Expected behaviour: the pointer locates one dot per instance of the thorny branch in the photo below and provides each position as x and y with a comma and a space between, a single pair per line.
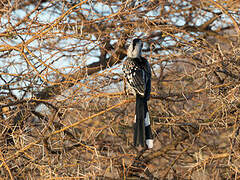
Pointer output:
63, 109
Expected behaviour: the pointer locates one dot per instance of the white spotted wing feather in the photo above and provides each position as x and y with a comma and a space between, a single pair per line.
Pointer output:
135, 76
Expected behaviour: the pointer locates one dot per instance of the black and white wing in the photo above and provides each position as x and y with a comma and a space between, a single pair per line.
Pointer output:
135, 75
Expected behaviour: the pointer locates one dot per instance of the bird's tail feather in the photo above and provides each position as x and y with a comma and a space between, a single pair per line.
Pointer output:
139, 127
142, 128
148, 131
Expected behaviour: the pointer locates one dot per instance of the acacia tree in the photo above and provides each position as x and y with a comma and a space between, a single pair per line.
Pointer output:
64, 112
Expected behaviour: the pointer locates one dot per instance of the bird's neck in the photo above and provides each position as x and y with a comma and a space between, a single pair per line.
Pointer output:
134, 55
134, 52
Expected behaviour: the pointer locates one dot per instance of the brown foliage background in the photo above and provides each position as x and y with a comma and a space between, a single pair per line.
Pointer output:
64, 112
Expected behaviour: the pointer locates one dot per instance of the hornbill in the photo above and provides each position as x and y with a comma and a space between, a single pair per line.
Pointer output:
137, 72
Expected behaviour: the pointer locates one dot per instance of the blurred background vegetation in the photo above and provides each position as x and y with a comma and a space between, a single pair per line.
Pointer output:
63, 110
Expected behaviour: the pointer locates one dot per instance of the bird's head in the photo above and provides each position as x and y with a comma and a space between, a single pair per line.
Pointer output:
135, 48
